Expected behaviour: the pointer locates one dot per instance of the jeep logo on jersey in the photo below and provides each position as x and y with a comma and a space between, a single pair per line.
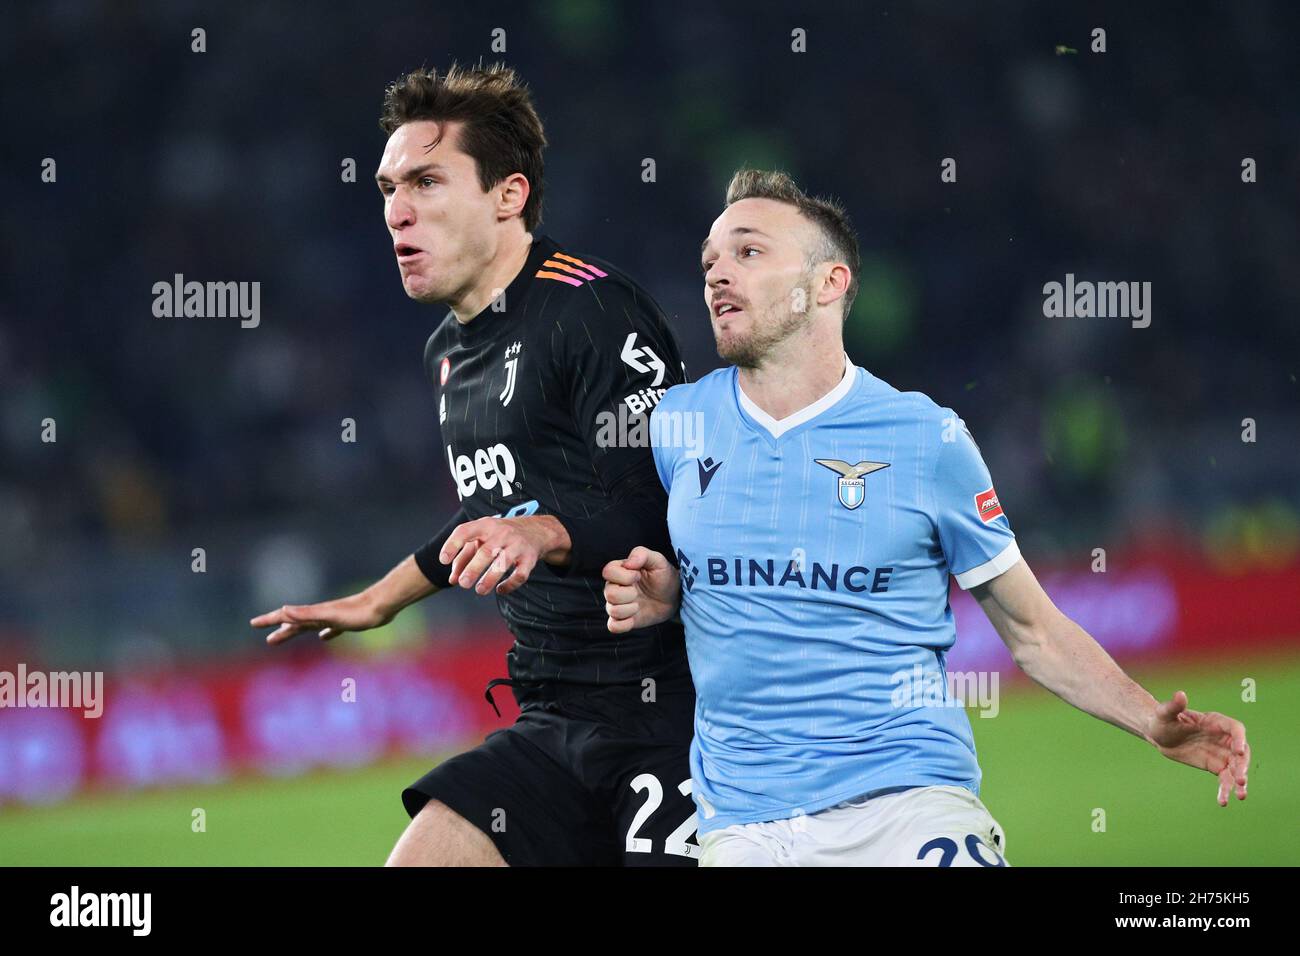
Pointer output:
632, 356
489, 468
512, 362
853, 483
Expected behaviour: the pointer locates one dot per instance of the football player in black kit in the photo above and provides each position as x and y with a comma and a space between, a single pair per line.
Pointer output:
541, 347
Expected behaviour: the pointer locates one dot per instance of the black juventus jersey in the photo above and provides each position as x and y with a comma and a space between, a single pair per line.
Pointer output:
538, 397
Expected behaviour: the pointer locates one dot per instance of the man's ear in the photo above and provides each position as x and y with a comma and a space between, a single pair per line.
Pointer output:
512, 195
835, 285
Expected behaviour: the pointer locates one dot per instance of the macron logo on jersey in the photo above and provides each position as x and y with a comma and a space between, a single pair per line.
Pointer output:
489, 468
708, 468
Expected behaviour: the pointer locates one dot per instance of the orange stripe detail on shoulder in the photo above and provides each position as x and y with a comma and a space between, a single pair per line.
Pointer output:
577, 261
571, 270
544, 274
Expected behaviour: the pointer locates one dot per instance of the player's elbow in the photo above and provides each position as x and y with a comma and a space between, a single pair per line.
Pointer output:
1027, 642
1034, 643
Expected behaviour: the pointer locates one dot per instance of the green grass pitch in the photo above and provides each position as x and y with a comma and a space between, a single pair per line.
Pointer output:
1047, 768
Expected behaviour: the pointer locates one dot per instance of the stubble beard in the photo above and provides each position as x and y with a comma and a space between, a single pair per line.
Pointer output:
780, 322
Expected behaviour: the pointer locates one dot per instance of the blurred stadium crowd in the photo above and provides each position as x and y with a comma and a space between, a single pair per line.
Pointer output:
176, 434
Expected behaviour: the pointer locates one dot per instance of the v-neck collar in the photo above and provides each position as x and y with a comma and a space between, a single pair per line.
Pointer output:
777, 428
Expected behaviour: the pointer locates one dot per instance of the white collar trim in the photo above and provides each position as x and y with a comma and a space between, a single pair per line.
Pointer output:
779, 428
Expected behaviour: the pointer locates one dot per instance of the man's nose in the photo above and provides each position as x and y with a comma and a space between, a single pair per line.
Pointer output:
400, 212
717, 273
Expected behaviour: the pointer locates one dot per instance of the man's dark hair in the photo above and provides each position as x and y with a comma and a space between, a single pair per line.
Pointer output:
839, 240
502, 132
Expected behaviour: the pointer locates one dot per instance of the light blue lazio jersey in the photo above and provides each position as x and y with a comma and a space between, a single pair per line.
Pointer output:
814, 566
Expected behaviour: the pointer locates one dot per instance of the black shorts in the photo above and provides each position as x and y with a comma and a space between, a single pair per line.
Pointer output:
587, 776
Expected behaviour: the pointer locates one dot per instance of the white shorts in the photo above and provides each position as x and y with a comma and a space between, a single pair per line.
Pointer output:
924, 826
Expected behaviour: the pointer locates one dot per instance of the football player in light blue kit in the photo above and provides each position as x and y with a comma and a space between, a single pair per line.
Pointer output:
816, 522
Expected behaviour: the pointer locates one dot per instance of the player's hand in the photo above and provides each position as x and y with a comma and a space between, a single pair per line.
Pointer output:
641, 590
329, 619
502, 552
1210, 742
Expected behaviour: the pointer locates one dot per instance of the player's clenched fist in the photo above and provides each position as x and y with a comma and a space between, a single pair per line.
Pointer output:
502, 552
641, 590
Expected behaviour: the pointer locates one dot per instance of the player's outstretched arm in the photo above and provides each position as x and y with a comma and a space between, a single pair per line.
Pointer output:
641, 590
1062, 657
376, 605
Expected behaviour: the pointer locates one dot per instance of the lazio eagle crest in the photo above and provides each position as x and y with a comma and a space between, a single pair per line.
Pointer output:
853, 482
